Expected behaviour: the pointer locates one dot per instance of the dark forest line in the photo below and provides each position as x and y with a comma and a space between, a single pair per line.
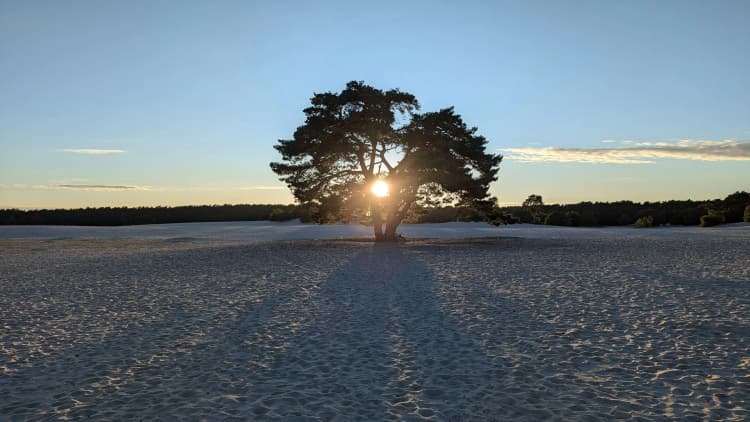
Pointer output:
733, 208
124, 216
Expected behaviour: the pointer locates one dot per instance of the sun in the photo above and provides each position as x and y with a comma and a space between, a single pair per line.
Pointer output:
380, 189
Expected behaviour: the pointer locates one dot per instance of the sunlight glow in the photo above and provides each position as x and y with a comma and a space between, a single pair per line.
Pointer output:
380, 189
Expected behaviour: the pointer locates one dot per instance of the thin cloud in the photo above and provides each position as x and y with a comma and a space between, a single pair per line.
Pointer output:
116, 188
639, 153
93, 151
101, 187
219, 188
97, 188
274, 187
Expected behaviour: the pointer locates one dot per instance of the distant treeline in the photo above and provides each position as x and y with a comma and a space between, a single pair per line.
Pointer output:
123, 216
733, 208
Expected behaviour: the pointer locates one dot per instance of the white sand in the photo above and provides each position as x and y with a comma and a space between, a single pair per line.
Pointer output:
649, 324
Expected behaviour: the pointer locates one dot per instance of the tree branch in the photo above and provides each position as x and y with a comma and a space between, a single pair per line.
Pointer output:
365, 172
373, 152
384, 161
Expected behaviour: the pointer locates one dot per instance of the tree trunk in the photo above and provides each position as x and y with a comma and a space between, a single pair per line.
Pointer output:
390, 230
377, 223
392, 221
378, 232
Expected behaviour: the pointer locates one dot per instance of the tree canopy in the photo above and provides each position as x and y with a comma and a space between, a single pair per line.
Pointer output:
353, 139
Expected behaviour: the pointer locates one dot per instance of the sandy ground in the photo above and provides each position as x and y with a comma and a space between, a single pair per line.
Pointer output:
574, 329
264, 231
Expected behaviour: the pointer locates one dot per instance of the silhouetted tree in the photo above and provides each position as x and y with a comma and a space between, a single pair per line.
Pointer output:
352, 139
733, 206
533, 201
534, 206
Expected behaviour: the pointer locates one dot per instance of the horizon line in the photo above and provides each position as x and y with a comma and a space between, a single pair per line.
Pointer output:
500, 205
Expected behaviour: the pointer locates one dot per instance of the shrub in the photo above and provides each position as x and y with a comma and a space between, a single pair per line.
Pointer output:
746, 217
645, 221
712, 219
279, 214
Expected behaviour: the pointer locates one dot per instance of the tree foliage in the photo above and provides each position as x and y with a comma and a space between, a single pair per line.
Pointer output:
533, 201
532, 210
361, 135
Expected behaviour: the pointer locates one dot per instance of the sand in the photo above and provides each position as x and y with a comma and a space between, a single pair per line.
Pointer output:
643, 326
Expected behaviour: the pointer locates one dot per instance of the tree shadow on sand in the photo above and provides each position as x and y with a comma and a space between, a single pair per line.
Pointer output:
176, 357
356, 331
379, 346
369, 340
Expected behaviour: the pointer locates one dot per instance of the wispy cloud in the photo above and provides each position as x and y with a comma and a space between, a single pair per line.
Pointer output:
273, 187
638, 153
92, 151
116, 188
205, 188
106, 188
88, 187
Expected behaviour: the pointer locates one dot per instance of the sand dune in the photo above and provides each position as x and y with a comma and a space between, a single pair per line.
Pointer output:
530, 329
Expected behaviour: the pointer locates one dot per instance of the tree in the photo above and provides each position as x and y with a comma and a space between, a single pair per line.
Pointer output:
363, 135
734, 206
535, 205
533, 201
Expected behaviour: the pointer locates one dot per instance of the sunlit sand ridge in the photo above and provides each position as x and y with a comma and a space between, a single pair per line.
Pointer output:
443, 330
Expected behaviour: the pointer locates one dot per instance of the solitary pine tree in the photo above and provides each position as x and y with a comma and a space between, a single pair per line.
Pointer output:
371, 149
533, 207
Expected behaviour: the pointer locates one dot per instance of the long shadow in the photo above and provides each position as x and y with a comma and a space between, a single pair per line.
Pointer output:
568, 343
380, 346
466, 355
196, 314
336, 364
317, 349
599, 369
355, 331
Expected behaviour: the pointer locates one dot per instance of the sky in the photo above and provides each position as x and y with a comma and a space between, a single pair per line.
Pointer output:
133, 103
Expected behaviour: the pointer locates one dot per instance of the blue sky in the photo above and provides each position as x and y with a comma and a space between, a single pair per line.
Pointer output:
166, 103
